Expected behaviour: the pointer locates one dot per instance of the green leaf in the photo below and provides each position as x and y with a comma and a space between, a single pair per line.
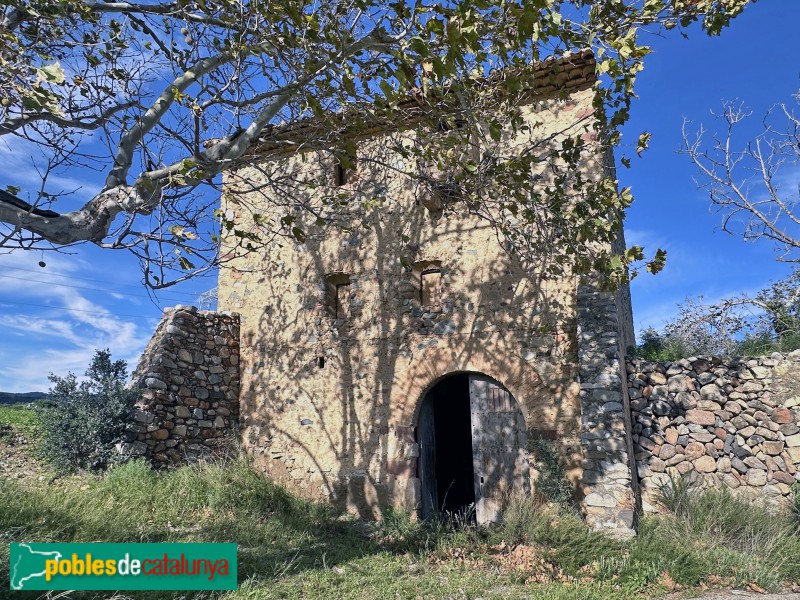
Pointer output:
52, 73
186, 264
386, 88
495, 130
644, 140
658, 262
298, 234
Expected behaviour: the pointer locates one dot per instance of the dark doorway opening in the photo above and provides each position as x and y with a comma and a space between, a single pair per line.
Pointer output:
446, 455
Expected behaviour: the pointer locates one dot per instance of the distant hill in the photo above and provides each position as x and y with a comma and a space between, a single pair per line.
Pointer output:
12, 398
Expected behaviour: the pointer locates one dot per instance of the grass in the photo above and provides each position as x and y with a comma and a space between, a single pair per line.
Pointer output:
290, 548
21, 417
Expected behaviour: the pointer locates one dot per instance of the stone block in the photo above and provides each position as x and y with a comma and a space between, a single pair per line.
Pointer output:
700, 417
793, 441
754, 463
737, 464
733, 408
756, 477
600, 500
706, 464
782, 477
694, 450
783, 416
713, 393
680, 383
794, 454
671, 435
667, 452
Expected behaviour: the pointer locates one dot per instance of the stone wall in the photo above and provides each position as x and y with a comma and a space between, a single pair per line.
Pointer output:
731, 424
189, 377
609, 501
330, 404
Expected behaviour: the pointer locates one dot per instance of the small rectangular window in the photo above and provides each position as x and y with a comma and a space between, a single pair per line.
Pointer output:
340, 175
451, 123
338, 295
430, 287
344, 167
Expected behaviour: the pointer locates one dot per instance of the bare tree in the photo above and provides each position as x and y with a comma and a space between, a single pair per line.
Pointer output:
755, 186
160, 98
739, 324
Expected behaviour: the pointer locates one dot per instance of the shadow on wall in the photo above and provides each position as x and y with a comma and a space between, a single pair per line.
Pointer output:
342, 335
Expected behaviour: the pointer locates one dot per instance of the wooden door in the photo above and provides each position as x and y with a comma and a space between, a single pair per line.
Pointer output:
498, 447
426, 438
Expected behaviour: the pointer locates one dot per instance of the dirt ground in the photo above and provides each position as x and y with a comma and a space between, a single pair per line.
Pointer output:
16, 461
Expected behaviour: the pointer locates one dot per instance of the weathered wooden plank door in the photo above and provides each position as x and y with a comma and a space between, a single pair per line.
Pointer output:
426, 438
498, 447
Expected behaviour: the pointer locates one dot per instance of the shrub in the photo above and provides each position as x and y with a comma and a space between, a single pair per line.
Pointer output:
794, 508
660, 347
81, 422
552, 483
713, 531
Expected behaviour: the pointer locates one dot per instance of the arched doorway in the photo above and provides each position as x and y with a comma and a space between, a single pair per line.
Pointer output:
471, 435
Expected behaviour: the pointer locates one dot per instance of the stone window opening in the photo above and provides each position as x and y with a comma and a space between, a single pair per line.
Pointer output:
448, 124
430, 286
321, 362
338, 295
344, 169
427, 277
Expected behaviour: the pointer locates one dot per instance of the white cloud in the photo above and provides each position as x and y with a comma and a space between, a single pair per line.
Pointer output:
56, 328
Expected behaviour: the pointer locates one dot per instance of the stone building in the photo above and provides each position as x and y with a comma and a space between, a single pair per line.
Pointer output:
400, 356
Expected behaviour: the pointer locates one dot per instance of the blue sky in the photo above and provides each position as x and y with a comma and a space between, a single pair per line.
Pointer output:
757, 61
53, 318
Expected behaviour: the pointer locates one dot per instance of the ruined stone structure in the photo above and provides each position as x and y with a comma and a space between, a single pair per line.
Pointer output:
400, 356
727, 424
189, 381
406, 359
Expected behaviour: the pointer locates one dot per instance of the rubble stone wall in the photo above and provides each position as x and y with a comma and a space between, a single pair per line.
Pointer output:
732, 424
189, 381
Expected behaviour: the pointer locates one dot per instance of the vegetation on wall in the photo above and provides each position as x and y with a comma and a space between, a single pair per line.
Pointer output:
551, 482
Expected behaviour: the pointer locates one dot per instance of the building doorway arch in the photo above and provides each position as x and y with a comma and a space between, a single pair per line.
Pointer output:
471, 436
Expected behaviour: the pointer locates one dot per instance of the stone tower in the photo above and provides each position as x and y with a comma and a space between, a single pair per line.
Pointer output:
401, 356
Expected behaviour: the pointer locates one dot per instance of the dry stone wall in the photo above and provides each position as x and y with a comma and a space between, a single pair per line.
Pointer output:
189, 377
732, 424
